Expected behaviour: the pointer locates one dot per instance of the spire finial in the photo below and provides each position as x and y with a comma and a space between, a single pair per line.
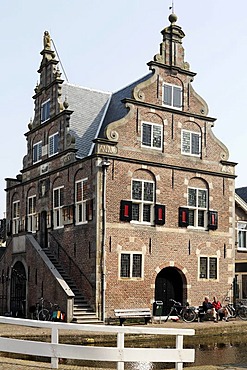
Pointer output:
172, 7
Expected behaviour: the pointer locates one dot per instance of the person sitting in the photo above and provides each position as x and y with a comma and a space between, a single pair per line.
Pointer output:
222, 312
209, 309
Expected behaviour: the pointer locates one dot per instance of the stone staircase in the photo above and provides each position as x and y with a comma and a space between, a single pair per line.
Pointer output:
82, 312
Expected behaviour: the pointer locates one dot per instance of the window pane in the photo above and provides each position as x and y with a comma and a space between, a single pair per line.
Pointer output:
156, 136
177, 97
125, 265
191, 217
203, 267
56, 198
148, 191
137, 265
167, 95
201, 218
185, 142
135, 212
78, 191
136, 190
202, 198
146, 213
212, 268
192, 197
195, 143
146, 134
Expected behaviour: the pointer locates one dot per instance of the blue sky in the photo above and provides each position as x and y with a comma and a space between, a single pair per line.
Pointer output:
105, 44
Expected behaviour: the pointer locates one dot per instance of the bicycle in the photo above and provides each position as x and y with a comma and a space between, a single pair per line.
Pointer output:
240, 310
186, 313
44, 314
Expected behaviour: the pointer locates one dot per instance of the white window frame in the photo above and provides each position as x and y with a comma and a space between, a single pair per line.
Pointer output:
208, 268
142, 203
32, 217
153, 126
197, 208
45, 111
16, 217
173, 88
37, 152
58, 208
131, 254
80, 203
242, 236
51, 144
187, 148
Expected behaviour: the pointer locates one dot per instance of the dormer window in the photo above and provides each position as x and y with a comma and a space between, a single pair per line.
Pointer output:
172, 96
53, 144
45, 111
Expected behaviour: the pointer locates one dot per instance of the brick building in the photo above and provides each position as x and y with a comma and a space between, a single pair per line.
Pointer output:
124, 199
241, 244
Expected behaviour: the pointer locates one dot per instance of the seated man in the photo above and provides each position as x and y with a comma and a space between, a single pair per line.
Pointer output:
209, 309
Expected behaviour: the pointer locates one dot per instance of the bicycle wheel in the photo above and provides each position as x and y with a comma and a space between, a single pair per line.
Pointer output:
44, 315
242, 313
188, 315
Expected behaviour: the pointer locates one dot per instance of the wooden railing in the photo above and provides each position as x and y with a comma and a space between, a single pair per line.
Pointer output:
119, 354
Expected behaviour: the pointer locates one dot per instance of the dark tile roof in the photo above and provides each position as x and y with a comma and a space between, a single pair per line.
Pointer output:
117, 109
88, 108
242, 192
93, 110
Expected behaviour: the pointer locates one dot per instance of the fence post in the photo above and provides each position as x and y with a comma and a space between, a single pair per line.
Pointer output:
179, 345
54, 340
120, 346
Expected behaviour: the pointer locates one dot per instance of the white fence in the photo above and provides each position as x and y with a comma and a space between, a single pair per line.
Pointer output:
119, 354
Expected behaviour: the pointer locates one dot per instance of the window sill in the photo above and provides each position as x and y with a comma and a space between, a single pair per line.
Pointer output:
244, 249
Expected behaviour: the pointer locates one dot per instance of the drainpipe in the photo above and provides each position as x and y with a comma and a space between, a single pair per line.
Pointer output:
104, 164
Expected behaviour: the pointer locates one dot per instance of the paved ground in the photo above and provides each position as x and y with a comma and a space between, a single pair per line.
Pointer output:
206, 329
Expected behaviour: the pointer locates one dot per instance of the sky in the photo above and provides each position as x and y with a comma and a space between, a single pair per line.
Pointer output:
106, 45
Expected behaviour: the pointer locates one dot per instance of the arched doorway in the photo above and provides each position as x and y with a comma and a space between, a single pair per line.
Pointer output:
18, 290
169, 284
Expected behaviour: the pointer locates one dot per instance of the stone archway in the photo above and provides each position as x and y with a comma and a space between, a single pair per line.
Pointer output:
169, 284
18, 290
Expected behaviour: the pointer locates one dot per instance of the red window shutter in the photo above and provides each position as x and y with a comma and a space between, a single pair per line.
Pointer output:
212, 220
126, 210
159, 214
183, 216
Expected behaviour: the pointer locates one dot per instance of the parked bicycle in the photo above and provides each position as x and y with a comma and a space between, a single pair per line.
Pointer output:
240, 310
186, 313
41, 312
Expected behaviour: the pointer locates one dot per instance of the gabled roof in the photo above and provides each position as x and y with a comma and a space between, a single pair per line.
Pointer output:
242, 193
89, 108
93, 110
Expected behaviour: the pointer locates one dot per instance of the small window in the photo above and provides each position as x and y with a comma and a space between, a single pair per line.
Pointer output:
131, 265
53, 144
142, 201
197, 205
81, 195
208, 268
32, 219
242, 230
16, 217
191, 143
45, 111
58, 202
37, 152
172, 96
151, 135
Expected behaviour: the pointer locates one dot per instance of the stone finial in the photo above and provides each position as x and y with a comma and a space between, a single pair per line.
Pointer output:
172, 18
30, 125
65, 103
47, 40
